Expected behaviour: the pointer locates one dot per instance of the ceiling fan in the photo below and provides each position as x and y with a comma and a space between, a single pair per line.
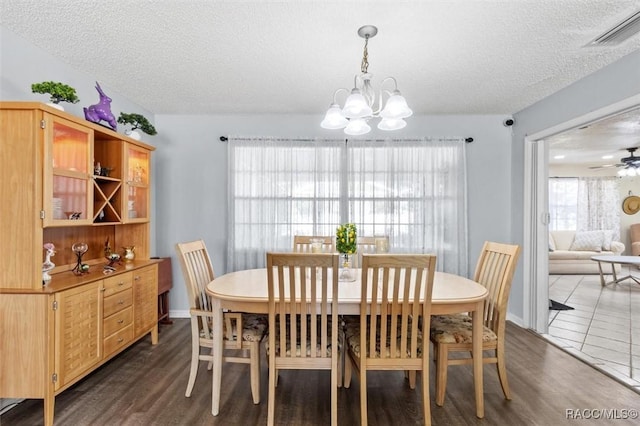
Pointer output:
631, 161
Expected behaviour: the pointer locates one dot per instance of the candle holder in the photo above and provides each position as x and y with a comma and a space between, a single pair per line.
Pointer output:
80, 249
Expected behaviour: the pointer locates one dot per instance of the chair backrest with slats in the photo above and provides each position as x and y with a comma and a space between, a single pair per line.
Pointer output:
392, 283
303, 295
494, 270
302, 243
197, 271
364, 245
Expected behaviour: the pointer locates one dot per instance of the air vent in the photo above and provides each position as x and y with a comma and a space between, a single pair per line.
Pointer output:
619, 32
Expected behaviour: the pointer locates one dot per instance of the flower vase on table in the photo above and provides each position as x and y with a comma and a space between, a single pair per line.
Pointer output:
347, 273
346, 236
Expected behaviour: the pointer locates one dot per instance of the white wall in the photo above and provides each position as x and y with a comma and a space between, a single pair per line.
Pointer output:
612, 84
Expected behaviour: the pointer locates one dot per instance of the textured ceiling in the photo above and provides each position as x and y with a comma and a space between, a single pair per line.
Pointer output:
449, 57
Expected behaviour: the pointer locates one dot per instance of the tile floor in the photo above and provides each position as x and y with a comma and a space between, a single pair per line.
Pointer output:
604, 327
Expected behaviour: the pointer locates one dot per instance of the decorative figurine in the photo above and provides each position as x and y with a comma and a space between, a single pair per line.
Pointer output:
107, 249
48, 264
101, 110
79, 249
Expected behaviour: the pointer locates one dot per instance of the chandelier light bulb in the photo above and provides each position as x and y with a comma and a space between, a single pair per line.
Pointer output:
356, 106
392, 124
334, 119
632, 171
357, 127
396, 107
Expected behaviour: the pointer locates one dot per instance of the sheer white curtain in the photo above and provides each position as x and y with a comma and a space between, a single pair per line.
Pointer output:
599, 205
413, 191
279, 188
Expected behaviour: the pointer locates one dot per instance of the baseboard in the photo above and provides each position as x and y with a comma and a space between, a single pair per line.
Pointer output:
180, 313
515, 319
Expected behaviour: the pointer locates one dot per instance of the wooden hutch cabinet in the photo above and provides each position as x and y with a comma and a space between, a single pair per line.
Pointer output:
66, 180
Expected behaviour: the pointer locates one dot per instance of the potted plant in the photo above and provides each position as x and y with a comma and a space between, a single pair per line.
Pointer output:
136, 121
59, 92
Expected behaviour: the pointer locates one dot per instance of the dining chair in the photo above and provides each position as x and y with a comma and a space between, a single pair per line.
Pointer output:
395, 298
242, 332
303, 314
453, 333
303, 243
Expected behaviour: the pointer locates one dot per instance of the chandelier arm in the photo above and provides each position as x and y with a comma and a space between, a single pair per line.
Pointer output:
395, 83
335, 94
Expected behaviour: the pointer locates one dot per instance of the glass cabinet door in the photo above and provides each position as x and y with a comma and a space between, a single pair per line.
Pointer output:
67, 173
136, 185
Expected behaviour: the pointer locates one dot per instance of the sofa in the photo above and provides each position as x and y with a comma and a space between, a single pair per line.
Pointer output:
570, 251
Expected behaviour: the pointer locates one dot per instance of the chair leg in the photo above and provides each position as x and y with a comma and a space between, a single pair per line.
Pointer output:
426, 400
412, 378
363, 396
347, 371
441, 372
271, 404
335, 382
195, 356
502, 371
254, 363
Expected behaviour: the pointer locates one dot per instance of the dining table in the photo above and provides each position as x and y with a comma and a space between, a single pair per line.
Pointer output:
246, 291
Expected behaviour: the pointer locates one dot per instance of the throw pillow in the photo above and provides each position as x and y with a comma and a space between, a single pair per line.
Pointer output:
607, 239
552, 243
587, 241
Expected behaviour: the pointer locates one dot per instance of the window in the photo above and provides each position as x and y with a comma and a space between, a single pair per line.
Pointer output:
563, 204
413, 191
585, 204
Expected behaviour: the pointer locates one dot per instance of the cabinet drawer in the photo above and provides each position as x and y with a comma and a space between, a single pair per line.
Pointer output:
117, 321
117, 302
117, 340
118, 283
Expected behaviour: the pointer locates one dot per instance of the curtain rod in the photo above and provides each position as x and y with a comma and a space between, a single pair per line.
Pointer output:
225, 139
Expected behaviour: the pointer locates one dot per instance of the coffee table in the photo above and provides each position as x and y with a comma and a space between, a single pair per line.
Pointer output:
628, 261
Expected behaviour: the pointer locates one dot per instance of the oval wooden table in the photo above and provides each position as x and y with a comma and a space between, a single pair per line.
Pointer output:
246, 291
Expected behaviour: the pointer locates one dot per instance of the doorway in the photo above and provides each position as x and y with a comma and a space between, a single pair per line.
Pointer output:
536, 278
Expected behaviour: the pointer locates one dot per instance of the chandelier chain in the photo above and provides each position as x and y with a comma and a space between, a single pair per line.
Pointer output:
364, 67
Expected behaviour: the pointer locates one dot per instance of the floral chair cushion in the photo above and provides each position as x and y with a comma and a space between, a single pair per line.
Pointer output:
352, 337
308, 345
456, 329
254, 328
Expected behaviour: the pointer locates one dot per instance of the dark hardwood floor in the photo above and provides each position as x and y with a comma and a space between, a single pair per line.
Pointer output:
145, 386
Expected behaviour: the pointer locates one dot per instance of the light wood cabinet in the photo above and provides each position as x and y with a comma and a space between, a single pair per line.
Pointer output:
52, 191
77, 332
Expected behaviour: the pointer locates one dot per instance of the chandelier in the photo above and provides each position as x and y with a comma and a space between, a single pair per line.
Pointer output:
359, 107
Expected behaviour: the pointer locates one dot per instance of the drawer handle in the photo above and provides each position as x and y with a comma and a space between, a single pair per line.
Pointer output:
137, 278
120, 340
120, 302
120, 321
121, 283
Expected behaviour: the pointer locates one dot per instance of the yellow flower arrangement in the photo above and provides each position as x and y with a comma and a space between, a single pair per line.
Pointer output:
346, 235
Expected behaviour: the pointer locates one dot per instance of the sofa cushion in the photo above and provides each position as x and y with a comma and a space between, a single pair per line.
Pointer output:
577, 254
563, 239
607, 238
587, 241
552, 243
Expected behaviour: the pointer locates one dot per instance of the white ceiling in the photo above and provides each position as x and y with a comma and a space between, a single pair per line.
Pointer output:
449, 57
